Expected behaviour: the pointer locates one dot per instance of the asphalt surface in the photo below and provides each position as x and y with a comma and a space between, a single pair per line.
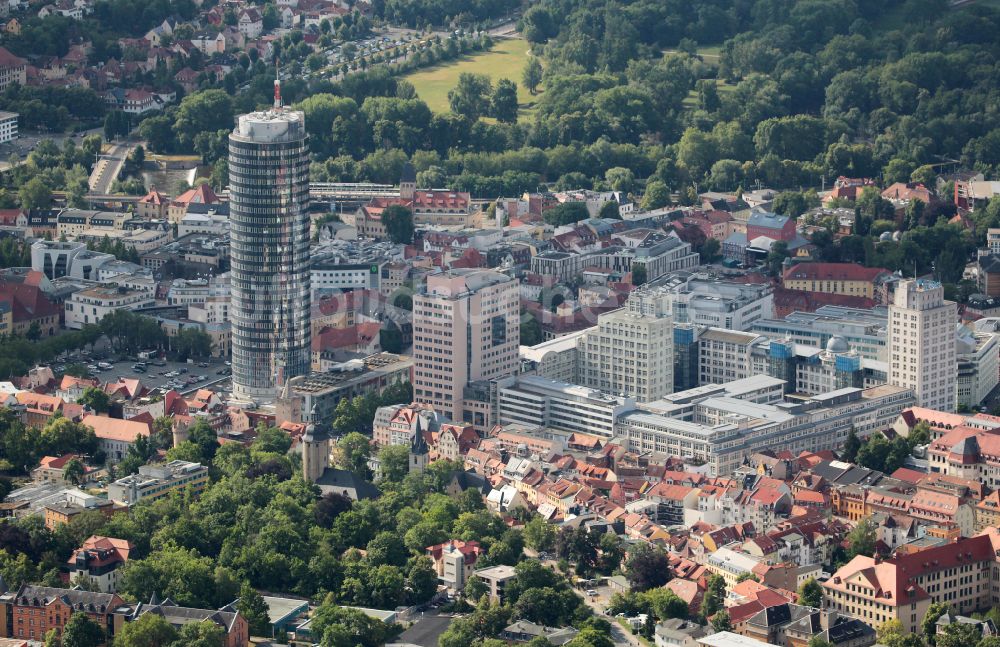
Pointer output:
425, 632
154, 376
108, 167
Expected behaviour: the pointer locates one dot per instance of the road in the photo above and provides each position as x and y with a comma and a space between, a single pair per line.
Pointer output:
108, 167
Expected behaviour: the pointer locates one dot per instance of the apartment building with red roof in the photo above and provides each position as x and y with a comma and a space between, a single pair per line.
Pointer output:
99, 560
960, 573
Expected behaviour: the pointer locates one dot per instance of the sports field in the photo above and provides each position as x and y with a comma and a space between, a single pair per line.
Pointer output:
505, 60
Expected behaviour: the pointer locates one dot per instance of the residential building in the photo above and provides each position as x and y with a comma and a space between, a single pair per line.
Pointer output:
961, 574
8, 126
496, 579
921, 343
152, 206
455, 562
200, 197
31, 611
628, 354
114, 435
466, 327
100, 560
269, 196
157, 481
13, 69
90, 306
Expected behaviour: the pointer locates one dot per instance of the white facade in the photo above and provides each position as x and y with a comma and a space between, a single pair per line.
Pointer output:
8, 126
91, 306
196, 223
922, 343
540, 402
702, 300
719, 427
348, 276
978, 367
57, 259
628, 354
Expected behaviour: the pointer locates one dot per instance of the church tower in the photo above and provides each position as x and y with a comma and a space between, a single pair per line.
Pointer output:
407, 182
315, 450
419, 453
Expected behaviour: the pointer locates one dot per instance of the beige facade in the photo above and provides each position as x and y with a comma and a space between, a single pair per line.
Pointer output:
629, 354
465, 328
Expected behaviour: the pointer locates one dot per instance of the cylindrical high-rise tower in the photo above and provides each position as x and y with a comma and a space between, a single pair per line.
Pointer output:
269, 239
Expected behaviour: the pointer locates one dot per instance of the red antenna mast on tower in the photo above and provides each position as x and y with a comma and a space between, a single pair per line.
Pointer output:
277, 84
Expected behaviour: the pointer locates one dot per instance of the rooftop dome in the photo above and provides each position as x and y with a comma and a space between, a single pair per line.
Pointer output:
838, 344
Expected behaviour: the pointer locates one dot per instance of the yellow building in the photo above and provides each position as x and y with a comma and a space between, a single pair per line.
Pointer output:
837, 278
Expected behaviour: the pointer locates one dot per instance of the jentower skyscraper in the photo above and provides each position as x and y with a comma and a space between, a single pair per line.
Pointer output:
269, 232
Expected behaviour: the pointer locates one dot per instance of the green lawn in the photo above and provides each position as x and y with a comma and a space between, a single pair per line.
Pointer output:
505, 60
692, 98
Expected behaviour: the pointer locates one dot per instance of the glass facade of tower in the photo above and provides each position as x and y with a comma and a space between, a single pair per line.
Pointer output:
269, 249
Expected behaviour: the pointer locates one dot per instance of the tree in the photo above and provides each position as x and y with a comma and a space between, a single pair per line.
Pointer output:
35, 194
666, 604
201, 634
638, 274
811, 593
861, 539
715, 595
851, 446
539, 535
74, 471
81, 631
191, 342
96, 399
929, 623
503, 103
647, 568
471, 95
610, 211
657, 195
353, 451
203, 111
566, 213
254, 609
398, 221
721, 621
959, 634
475, 588
421, 580
149, 630
776, 257
394, 461
531, 77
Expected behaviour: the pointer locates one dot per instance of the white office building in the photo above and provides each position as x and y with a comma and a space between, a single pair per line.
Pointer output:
540, 402
628, 354
978, 356
699, 299
922, 343
719, 426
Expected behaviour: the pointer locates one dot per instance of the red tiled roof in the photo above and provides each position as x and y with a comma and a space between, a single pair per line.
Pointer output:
201, 194
833, 272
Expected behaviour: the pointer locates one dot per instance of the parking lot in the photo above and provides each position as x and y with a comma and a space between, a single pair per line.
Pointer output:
179, 376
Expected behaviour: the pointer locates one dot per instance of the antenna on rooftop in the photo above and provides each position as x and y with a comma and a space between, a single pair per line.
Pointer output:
277, 84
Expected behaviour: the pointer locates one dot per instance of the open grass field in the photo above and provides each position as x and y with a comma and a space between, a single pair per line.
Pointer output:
505, 60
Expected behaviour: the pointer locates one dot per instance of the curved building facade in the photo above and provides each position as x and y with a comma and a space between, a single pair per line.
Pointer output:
269, 248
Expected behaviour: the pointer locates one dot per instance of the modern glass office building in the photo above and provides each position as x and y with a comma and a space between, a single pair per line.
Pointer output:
269, 248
